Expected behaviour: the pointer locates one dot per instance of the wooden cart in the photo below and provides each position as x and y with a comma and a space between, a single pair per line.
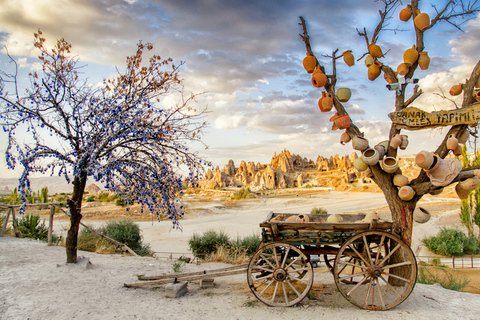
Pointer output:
372, 267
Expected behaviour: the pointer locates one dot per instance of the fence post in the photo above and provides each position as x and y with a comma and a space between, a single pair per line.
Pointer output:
453, 262
5, 222
15, 225
50, 225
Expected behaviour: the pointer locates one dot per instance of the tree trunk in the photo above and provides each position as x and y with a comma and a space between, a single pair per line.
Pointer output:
74, 204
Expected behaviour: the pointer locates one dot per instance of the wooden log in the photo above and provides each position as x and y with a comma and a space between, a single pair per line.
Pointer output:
196, 273
5, 222
15, 225
50, 225
179, 277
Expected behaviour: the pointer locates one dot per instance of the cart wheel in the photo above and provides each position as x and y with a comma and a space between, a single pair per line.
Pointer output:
367, 275
280, 275
330, 261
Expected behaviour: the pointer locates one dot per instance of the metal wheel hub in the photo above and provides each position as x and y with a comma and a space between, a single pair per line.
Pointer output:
280, 275
375, 271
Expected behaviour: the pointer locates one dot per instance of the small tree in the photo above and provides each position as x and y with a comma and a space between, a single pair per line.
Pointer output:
44, 195
117, 133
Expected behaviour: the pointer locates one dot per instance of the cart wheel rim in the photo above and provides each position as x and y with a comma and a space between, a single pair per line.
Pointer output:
280, 274
375, 270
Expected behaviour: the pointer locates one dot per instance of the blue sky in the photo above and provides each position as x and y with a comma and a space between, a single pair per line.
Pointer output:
247, 58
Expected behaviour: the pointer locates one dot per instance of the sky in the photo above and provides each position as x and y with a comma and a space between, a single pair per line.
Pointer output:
245, 57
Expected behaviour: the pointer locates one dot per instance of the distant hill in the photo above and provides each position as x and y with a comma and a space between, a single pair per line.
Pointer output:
54, 184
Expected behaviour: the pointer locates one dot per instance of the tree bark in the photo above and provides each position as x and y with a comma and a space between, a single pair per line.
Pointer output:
75, 204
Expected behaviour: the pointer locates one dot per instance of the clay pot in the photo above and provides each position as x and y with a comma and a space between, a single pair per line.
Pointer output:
327, 102
349, 58
444, 171
370, 156
421, 215
334, 218
476, 172
424, 60
400, 180
455, 90
375, 50
406, 193
360, 165
476, 95
309, 62
462, 139
390, 164
369, 60
385, 144
458, 150
406, 13
404, 143
359, 143
410, 56
345, 138
461, 193
320, 102
396, 141
319, 79
422, 21
370, 217
424, 159
343, 121
470, 183
344, 94
381, 151
402, 69
452, 142
374, 71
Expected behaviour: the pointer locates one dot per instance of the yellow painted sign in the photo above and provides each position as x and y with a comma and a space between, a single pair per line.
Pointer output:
412, 118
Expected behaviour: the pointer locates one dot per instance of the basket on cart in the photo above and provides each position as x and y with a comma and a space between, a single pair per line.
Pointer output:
372, 267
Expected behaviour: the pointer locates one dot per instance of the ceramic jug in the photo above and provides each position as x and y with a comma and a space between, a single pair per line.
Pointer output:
470, 183
452, 142
327, 102
400, 180
390, 164
424, 60
422, 21
461, 193
370, 156
424, 159
406, 13
402, 69
360, 165
309, 62
421, 215
456, 89
410, 56
369, 60
349, 58
404, 143
406, 193
343, 121
374, 71
359, 143
396, 141
345, 138
444, 171
375, 50
344, 94
319, 79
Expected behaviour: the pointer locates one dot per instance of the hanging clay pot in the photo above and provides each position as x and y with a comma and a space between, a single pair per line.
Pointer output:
359, 143
424, 159
374, 71
400, 180
385, 144
320, 104
390, 164
370, 217
470, 183
421, 215
476, 172
319, 79
406, 13
444, 171
343, 121
345, 138
359, 164
402, 69
406, 193
452, 142
461, 193
396, 141
309, 62
422, 21
404, 143
424, 60
410, 56
456, 89
458, 150
476, 95
327, 102
344, 94
349, 58
462, 139
381, 151
375, 50
369, 60
370, 156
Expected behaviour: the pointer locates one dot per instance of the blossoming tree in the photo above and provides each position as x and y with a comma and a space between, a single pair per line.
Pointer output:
117, 133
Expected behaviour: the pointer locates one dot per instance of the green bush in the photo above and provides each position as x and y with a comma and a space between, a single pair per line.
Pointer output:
243, 193
210, 241
32, 227
451, 242
319, 211
90, 199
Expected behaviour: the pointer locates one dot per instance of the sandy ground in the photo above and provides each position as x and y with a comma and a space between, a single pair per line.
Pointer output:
35, 282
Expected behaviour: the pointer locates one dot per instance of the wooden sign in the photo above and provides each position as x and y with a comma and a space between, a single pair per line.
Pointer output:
412, 118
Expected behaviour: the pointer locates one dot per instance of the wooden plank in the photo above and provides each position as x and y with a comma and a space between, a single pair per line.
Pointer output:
196, 273
326, 226
178, 278
50, 225
412, 118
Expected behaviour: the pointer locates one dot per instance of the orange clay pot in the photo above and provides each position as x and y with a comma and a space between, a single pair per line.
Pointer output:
406, 14
349, 58
402, 69
422, 21
410, 56
374, 71
327, 102
423, 60
309, 62
319, 79
455, 90
375, 50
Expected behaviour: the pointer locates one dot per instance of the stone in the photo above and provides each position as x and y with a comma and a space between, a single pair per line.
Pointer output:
84, 263
207, 283
176, 290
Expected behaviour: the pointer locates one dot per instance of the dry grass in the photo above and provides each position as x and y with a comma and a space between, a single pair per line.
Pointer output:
226, 255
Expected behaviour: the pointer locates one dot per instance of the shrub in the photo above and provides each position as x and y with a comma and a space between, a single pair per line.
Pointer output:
451, 242
445, 278
319, 211
32, 227
203, 245
89, 241
249, 244
243, 193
